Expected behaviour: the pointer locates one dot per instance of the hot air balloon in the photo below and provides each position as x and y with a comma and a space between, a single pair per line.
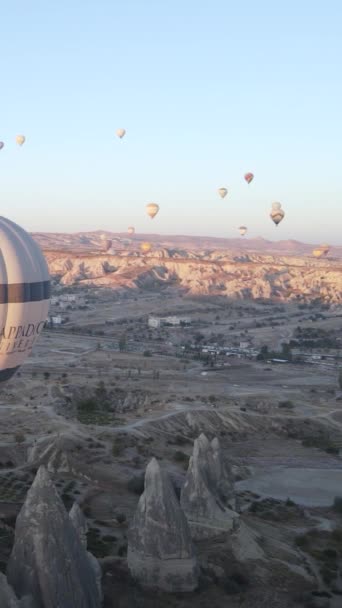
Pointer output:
20, 139
249, 177
152, 210
277, 214
243, 230
317, 253
24, 296
222, 192
108, 244
131, 230
145, 247
121, 132
1, 145
320, 251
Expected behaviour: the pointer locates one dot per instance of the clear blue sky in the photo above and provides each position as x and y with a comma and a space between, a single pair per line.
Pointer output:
207, 90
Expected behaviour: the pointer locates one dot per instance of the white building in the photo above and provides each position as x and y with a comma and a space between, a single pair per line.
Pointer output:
174, 321
154, 322
55, 320
244, 344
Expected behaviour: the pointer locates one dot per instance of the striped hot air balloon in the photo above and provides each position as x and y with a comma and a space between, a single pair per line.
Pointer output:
24, 296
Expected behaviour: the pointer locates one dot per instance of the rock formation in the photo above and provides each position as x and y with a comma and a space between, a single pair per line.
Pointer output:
54, 453
275, 275
160, 550
222, 476
8, 599
207, 499
79, 522
201, 501
48, 560
81, 526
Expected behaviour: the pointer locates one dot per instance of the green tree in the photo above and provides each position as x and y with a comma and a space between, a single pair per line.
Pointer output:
340, 378
122, 343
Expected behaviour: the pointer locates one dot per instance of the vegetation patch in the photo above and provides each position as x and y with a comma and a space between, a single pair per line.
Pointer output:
326, 549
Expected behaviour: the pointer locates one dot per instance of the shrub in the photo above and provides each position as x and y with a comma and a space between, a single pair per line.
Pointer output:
117, 448
19, 437
180, 456
338, 504
286, 404
136, 484
332, 449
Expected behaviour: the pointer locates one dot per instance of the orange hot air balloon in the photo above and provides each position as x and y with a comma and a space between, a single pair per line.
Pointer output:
249, 177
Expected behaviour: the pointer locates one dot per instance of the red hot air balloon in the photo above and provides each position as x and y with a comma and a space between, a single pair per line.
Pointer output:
249, 177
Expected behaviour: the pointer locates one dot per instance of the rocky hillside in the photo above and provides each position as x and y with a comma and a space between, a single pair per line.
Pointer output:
217, 272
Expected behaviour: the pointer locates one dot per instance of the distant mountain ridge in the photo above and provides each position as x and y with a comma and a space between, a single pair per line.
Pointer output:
88, 241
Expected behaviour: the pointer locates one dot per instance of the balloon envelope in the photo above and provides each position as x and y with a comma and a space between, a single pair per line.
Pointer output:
249, 177
24, 296
277, 215
20, 139
320, 251
1, 145
222, 192
131, 230
243, 230
145, 247
121, 132
317, 253
152, 210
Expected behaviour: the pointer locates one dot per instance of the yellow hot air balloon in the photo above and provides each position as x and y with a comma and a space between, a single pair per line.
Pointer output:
222, 192
121, 132
20, 139
152, 210
131, 230
243, 230
145, 247
317, 253
320, 251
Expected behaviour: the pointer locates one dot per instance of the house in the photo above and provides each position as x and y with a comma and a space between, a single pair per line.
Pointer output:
173, 321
